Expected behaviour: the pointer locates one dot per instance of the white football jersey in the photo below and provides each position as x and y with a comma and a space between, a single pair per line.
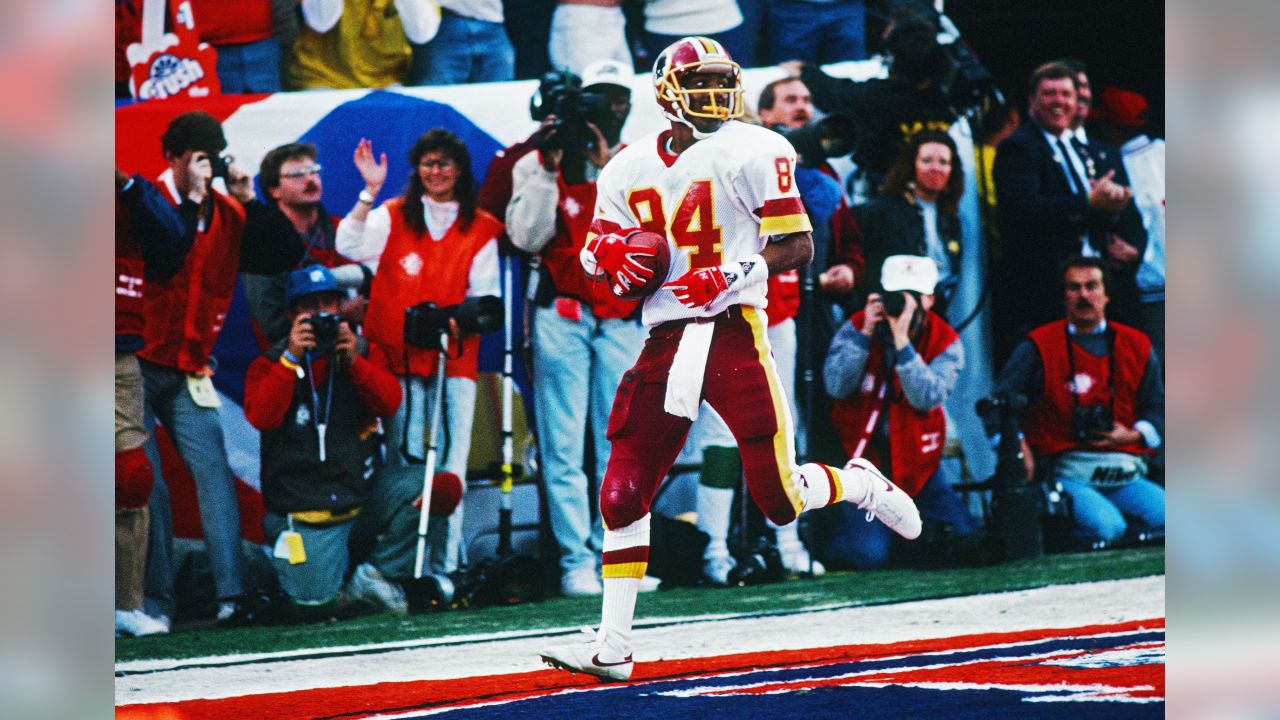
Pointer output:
717, 202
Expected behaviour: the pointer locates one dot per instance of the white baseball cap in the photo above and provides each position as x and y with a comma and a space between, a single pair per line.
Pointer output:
909, 272
608, 72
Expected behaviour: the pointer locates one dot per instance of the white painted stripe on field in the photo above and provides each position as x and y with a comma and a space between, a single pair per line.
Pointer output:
1059, 606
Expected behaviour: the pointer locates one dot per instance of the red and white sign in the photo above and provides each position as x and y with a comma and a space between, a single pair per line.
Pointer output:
172, 64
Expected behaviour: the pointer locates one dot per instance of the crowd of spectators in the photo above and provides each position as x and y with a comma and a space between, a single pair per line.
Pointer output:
344, 400
267, 46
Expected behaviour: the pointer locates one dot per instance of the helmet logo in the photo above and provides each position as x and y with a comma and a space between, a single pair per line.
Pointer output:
697, 55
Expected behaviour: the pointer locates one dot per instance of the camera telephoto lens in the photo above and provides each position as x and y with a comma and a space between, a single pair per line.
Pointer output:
894, 303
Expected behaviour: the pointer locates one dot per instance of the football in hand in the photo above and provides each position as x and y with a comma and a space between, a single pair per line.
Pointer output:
659, 262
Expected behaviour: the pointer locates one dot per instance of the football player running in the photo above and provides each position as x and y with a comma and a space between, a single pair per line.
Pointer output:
724, 194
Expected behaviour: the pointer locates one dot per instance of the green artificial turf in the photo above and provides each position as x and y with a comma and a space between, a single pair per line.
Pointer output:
843, 588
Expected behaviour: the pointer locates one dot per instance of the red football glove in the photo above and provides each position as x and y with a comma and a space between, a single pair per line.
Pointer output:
697, 288
611, 254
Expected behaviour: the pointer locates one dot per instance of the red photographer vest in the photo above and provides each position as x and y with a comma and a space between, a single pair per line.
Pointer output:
1047, 425
916, 437
574, 209
414, 268
184, 314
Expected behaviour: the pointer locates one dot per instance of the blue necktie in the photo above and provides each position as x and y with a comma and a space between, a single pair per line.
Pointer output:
1077, 185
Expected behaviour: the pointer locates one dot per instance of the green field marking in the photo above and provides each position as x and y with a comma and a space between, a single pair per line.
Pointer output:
843, 588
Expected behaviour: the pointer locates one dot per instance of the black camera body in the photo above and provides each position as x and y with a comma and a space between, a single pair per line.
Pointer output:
324, 326
220, 164
561, 94
895, 301
426, 324
1017, 506
1090, 421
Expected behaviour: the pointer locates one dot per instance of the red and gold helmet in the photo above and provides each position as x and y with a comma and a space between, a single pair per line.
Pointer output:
696, 55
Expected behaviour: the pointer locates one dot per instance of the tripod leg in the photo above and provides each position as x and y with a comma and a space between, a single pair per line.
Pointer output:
433, 442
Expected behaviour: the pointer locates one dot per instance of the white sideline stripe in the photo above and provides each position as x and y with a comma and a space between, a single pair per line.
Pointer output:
1059, 606
160, 664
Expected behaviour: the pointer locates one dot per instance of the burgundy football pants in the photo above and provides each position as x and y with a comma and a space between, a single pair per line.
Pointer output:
741, 383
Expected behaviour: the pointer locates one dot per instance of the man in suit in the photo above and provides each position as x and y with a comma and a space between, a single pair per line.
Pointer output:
1058, 198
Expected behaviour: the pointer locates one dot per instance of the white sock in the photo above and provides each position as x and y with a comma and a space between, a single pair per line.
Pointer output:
714, 506
622, 570
824, 485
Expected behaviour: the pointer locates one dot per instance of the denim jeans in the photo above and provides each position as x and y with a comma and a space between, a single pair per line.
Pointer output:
1099, 514
577, 365
817, 32
197, 433
864, 545
249, 68
464, 50
390, 513
319, 578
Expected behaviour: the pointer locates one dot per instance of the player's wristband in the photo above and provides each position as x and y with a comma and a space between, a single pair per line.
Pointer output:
754, 270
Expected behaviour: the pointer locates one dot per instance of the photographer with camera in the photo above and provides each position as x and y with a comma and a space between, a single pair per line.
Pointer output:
887, 111
183, 317
583, 336
1096, 408
890, 369
431, 245
316, 396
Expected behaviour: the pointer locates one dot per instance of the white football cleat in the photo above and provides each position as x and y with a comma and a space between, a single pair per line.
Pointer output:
886, 501
598, 653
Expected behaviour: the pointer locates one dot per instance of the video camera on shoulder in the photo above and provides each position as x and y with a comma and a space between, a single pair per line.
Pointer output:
324, 326
1090, 421
426, 324
560, 93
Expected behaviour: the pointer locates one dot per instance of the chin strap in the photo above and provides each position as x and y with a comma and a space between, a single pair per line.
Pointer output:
697, 134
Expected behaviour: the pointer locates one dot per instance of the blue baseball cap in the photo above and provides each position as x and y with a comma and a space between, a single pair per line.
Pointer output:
309, 281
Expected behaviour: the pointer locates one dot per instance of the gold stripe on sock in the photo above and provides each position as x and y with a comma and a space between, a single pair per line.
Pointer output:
625, 570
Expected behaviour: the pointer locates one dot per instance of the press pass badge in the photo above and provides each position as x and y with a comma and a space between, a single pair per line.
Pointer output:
202, 392
320, 430
289, 546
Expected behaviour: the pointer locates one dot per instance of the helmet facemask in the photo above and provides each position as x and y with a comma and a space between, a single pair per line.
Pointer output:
672, 90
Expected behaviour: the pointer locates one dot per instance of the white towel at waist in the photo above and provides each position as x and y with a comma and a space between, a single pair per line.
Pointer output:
684, 380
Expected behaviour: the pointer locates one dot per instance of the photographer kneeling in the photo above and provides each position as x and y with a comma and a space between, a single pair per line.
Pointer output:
889, 371
430, 245
1096, 408
316, 396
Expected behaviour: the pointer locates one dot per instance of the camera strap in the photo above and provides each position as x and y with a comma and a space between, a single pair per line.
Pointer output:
321, 419
1111, 368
